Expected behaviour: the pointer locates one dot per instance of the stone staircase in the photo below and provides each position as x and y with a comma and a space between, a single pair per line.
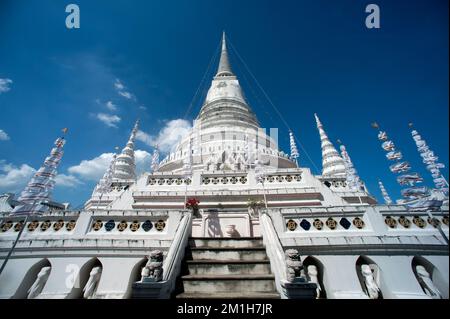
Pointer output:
226, 268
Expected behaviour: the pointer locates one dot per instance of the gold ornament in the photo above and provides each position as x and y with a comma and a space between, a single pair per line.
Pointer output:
419, 222
97, 225
291, 225
122, 225
405, 222
134, 226
318, 224
33, 225
331, 223
70, 225
58, 225
6, 226
160, 225
434, 221
358, 222
18, 226
391, 222
45, 225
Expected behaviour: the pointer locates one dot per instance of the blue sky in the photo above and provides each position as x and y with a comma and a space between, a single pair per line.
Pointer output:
148, 57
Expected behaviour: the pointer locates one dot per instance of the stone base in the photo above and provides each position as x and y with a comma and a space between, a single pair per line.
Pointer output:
148, 290
299, 290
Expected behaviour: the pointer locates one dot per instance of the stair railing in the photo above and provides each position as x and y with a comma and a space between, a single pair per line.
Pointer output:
175, 255
275, 252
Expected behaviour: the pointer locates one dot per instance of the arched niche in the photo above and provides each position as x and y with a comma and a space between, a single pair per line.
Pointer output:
319, 268
135, 276
83, 277
428, 276
369, 277
30, 278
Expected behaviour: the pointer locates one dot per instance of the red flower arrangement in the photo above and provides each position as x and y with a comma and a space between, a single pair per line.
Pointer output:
192, 203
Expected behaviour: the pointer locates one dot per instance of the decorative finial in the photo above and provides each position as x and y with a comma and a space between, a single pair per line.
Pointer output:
38, 190
224, 68
384, 193
332, 163
413, 195
353, 180
431, 162
294, 149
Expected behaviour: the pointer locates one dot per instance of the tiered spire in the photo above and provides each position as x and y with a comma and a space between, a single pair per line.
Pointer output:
384, 193
125, 166
431, 160
294, 150
332, 164
105, 183
224, 64
225, 103
38, 191
155, 159
353, 179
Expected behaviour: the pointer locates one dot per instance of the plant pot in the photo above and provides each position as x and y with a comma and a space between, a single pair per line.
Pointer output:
230, 231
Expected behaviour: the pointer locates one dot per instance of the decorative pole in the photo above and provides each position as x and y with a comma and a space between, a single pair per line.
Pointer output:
414, 196
38, 191
431, 162
260, 176
386, 197
294, 150
155, 159
188, 171
105, 183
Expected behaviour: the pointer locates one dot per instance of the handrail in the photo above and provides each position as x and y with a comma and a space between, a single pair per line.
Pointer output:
274, 250
176, 250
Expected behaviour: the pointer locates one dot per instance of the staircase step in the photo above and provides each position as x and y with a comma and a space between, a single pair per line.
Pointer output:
228, 283
228, 267
229, 295
228, 253
242, 242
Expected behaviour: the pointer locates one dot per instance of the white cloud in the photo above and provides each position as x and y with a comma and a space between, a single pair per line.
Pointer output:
109, 120
5, 85
143, 161
111, 106
126, 94
168, 137
3, 136
67, 180
92, 169
142, 107
14, 179
120, 88
118, 85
